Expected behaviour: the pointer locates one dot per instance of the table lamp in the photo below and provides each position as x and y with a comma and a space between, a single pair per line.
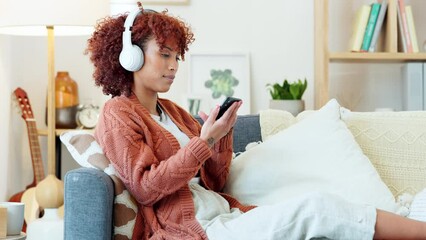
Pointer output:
50, 18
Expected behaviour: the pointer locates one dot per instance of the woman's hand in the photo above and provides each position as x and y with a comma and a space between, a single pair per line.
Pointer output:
213, 130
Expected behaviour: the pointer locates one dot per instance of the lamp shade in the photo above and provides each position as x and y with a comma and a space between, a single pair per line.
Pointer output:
68, 17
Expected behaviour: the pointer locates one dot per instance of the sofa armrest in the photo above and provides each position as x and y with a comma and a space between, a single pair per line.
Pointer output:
89, 198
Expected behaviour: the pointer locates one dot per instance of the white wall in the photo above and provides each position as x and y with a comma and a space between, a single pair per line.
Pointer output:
278, 35
4, 121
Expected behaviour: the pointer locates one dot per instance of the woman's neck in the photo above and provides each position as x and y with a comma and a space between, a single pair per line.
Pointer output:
148, 100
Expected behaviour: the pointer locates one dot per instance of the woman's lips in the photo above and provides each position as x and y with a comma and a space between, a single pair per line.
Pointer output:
170, 77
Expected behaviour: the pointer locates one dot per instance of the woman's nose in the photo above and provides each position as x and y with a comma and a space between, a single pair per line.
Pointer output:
173, 65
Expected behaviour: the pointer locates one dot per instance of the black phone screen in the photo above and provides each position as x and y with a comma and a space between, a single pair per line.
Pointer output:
225, 105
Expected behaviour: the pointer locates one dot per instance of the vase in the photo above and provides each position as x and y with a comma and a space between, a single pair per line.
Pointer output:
66, 101
50, 226
49, 194
292, 106
194, 105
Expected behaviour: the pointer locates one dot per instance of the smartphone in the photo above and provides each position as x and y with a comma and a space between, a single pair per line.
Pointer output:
225, 105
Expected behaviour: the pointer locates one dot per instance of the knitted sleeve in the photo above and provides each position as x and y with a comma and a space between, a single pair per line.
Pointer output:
215, 170
129, 145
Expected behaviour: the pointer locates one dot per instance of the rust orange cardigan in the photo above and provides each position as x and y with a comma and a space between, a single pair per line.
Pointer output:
156, 171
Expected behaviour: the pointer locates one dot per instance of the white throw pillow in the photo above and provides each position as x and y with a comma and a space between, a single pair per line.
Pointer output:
317, 153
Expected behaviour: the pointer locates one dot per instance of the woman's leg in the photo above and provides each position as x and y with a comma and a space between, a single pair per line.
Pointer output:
392, 226
316, 215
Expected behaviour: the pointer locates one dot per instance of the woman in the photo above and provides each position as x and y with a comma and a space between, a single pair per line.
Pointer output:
157, 149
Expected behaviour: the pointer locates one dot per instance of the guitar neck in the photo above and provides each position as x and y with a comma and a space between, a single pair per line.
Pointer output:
35, 150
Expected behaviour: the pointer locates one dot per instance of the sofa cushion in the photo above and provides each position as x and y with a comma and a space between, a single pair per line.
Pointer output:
317, 153
395, 142
273, 121
87, 152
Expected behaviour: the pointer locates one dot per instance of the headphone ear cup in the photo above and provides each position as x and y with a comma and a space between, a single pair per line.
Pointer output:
131, 58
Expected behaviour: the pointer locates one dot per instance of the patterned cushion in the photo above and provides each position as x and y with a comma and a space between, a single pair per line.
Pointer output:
395, 142
87, 152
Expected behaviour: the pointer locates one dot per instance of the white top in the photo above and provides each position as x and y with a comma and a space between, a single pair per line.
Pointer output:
170, 126
209, 205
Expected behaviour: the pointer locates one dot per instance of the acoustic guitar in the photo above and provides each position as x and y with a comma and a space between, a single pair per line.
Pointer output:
32, 209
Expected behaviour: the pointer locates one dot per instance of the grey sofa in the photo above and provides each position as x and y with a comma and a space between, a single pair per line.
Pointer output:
89, 193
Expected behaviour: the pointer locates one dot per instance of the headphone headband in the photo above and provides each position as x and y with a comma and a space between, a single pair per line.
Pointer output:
130, 19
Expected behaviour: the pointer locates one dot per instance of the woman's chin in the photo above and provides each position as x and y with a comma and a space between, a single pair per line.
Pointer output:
164, 90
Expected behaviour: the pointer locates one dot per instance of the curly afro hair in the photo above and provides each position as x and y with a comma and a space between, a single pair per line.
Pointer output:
105, 45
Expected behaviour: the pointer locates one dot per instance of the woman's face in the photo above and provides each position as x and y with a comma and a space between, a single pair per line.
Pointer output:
159, 69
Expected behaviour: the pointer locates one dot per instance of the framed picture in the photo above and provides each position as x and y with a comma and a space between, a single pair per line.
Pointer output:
160, 2
213, 77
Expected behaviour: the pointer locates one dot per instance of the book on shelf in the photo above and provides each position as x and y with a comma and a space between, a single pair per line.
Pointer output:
371, 24
378, 27
403, 27
412, 28
359, 26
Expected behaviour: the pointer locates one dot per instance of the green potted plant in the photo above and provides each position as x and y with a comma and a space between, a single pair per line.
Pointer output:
288, 96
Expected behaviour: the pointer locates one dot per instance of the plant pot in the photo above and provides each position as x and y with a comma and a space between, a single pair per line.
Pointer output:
292, 106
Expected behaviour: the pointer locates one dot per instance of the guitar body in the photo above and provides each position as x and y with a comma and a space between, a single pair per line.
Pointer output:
16, 197
32, 210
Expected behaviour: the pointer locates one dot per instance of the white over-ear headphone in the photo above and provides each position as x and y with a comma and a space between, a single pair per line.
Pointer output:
131, 56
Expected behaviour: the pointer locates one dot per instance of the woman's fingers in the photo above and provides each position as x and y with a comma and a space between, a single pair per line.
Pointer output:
228, 120
231, 113
203, 115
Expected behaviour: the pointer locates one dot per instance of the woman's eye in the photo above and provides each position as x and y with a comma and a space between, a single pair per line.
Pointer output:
165, 55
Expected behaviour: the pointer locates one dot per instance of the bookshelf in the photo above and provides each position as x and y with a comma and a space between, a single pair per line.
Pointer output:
324, 56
